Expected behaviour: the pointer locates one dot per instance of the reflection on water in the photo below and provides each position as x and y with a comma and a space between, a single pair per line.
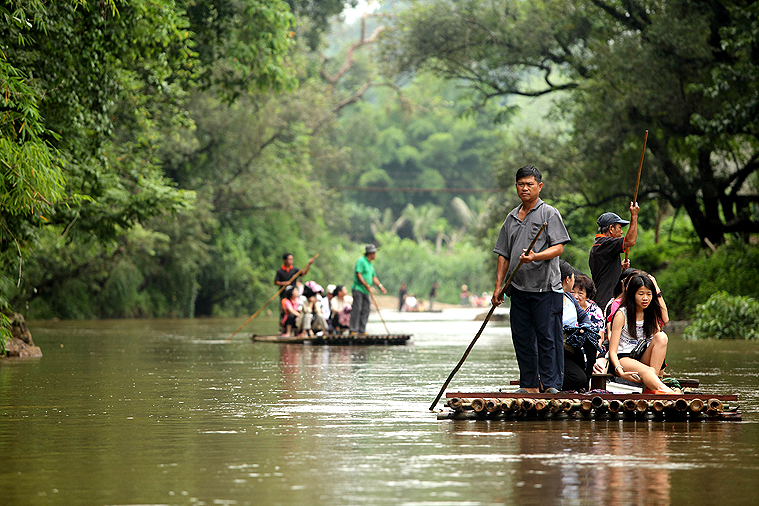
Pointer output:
553, 460
167, 412
623, 462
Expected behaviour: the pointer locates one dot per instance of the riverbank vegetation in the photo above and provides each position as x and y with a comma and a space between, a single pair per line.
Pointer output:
158, 157
725, 316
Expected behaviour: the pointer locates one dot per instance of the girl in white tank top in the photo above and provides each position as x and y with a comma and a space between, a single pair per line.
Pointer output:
642, 301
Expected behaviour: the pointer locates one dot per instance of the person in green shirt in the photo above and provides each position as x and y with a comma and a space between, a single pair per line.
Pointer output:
364, 278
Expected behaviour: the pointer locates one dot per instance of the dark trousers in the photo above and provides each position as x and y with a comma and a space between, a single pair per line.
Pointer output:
360, 312
537, 334
578, 367
290, 320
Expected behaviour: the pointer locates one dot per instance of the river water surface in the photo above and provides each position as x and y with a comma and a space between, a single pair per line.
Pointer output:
154, 412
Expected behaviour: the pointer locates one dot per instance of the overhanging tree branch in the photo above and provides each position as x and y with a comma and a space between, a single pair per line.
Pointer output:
349, 55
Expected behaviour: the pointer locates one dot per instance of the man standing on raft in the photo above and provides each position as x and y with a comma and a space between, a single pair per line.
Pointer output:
363, 279
604, 263
535, 291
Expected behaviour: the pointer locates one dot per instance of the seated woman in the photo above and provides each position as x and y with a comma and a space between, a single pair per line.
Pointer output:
290, 309
311, 319
583, 291
581, 337
636, 324
340, 305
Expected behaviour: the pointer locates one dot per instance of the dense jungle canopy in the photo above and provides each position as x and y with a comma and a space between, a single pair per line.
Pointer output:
159, 156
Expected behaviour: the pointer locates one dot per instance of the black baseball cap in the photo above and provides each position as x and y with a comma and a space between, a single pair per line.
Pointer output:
608, 219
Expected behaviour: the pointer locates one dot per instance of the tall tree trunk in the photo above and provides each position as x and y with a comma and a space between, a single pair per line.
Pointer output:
661, 213
690, 194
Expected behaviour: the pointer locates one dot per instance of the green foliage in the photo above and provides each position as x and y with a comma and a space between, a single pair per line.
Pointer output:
354, 220
314, 15
121, 290
690, 279
5, 331
186, 179
422, 140
685, 71
724, 316
31, 174
147, 271
69, 68
115, 78
242, 45
404, 260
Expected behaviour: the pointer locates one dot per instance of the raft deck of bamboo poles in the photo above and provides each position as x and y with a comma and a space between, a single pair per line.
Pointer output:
518, 406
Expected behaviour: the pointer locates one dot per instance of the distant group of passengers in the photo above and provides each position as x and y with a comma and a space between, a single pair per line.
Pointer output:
307, 310
408, 302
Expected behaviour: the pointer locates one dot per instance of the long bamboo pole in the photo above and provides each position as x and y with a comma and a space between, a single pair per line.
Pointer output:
637, 184
378, 311
272, 298
484, 323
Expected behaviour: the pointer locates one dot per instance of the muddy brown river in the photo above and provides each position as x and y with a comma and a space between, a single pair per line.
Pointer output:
166, 412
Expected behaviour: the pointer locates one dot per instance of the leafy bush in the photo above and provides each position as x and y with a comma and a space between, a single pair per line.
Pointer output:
5, 331
725, 316
690, 279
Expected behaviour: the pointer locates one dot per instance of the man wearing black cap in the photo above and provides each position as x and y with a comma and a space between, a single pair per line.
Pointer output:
604, 263
363, 279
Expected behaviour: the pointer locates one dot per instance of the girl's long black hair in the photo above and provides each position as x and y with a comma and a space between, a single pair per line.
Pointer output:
619, 288
652, 315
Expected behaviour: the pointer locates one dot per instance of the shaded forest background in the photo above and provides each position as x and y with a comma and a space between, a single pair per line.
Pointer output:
159, 157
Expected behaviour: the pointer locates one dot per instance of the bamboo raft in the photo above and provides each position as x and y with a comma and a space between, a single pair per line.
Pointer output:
337, 339
600, 405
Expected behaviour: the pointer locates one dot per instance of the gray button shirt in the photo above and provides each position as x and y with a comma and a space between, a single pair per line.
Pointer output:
516, 235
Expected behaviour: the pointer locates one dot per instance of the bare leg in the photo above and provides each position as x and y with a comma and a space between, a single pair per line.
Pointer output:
656, 352
647, 374
601, 365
